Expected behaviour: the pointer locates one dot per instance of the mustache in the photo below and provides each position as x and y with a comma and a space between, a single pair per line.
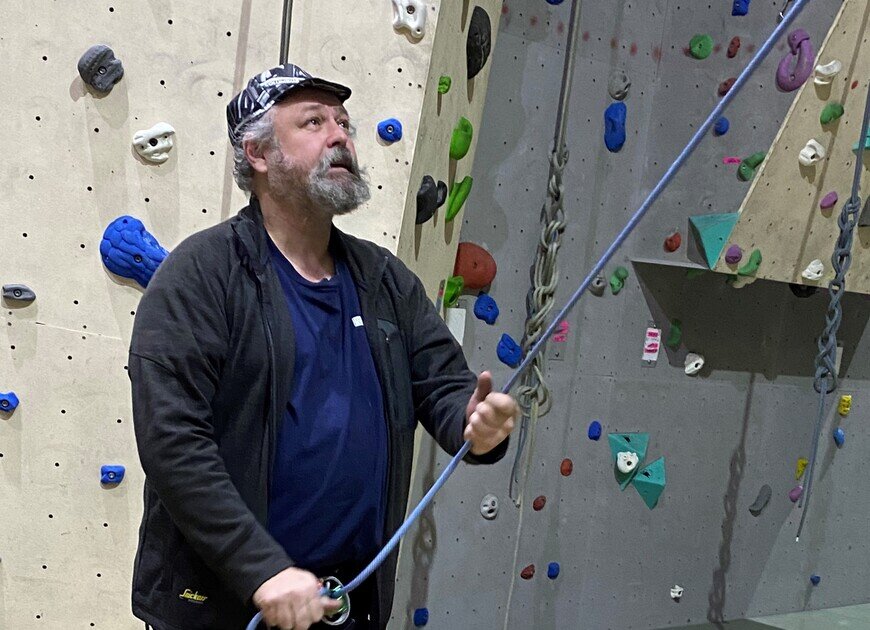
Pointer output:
338, 156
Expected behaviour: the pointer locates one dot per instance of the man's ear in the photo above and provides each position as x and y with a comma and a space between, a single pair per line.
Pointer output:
256, 155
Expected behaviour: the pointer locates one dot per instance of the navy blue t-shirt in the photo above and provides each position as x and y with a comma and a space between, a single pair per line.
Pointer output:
326, 502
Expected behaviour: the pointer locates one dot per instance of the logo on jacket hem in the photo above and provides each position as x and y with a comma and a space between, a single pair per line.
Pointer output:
193, 597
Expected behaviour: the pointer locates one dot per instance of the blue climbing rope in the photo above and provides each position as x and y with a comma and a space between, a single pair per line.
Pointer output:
762, 53
826, 370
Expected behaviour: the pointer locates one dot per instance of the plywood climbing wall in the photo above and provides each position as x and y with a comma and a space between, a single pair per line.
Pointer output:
781, 214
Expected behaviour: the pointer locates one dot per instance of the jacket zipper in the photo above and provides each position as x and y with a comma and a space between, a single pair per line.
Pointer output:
272, 428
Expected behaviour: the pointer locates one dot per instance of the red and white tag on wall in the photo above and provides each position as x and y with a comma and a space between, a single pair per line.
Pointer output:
555, 350
652, 344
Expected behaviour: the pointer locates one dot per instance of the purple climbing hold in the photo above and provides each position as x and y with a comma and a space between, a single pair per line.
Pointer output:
795, 493
733, 255
829, 200
797, 66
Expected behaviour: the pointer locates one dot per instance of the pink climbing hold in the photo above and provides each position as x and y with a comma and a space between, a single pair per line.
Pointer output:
829, 200
731, 160
795, 493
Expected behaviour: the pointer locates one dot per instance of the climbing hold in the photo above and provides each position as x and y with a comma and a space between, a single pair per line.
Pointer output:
528, 573
691, 274
693, 363
597, 286
845, 405
800, 468
746, 170
733, 47
636, 443
761, 500
650, 482
795, 493
489, 507
479, 41
566, 467
676, 592
619, 84
554, 2
731, 159
475, 265
839, 436
726, 86
430, 197
733, 255
815, 579
866, 143
617, 279
129, 250
830, 113
8, 402
99, 68
701, 46
824, 74
19, 292
460, 142
509, 352
421, 617
553, 570
390, 130
452, 290
594, 431
626, 462
111, 474
811, 153
675, 334
486, 309
673, 242
722, 126
411, 16
711, 232
751, 265
444, 83
829, 200
740, 7
457, 197
802, 291
814, 270
539, 503
614, 126
797, 65
154, 144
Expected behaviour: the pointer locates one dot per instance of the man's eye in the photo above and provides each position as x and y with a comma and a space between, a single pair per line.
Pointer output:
345, 124
315, 121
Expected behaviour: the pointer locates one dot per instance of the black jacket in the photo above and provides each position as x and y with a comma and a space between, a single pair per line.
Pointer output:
211, 366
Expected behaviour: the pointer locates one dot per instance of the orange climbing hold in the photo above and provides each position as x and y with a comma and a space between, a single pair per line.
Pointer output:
567, 467
673, 242
475, 265
539, 503
528, 573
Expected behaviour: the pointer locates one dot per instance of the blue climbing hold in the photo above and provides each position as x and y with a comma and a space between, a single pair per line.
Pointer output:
839, 436
594, 430
614, 126
509, 352
740, 7
553, 570
128, 250
722, 126
8, 402
421, 617
390, 130
555, 1
815, 579
486, 309
111, 474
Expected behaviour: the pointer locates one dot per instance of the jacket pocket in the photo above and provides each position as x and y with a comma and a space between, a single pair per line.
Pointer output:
397, 389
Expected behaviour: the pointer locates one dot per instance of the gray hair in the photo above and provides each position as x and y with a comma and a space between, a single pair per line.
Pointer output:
261, 132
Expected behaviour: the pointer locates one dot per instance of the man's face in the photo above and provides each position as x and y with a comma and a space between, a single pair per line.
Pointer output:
314, 160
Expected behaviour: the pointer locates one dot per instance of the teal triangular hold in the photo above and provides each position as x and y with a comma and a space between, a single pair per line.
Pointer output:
712, 232
650, 482
866, 143
634, 442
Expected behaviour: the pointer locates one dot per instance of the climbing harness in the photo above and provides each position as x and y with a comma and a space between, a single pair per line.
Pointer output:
826, 380
762, 53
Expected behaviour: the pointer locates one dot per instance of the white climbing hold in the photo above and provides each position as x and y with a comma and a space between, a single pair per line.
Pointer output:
814, 270
154, 144
824, 74
489, 507
626, 461
811, 153
694, 363
676, 592
410, 15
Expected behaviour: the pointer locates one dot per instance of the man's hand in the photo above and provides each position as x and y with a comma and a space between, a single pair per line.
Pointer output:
489, 416
291, 600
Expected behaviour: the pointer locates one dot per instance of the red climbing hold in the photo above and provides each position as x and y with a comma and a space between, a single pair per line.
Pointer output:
528, 573
854, 84
673, 242
567, 467
475, 265
726, 85
733, 47
539, 503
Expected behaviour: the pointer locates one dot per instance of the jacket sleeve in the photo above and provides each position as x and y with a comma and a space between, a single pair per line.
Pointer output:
179, 342
441, 382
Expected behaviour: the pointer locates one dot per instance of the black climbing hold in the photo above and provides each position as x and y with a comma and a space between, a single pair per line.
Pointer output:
802, 291
99, 68
430, 197
19, 292
479, 41
761, 500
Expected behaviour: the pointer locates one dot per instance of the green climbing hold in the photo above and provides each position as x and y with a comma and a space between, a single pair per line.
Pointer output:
675, 336
701, 46
444, 84
751, 265
632, 442
746, 170
457, 197
461, 140
831, 112
711, 231
452, 290
617, 280
691, 274
650, 482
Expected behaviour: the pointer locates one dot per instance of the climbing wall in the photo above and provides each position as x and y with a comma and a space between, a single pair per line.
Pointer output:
741, 423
